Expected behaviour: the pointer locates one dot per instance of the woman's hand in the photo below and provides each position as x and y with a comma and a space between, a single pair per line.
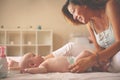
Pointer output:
83, 64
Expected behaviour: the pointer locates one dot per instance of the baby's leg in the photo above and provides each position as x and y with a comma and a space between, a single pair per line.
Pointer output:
12, 65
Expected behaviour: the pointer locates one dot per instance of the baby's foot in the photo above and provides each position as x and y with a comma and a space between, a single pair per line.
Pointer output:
12, 63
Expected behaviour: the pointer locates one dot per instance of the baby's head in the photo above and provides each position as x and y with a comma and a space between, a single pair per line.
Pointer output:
30, 60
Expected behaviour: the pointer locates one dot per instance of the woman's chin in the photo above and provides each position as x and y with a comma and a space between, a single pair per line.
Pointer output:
84, 22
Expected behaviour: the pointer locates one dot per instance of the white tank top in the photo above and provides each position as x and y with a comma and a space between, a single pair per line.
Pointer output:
105, 38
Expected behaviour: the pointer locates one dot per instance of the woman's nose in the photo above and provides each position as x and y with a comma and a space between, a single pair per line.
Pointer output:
74, 16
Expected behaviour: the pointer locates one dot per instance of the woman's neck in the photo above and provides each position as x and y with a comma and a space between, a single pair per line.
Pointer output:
98, 14
100, 21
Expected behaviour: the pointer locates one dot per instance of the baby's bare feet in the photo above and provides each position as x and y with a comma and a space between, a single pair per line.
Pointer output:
12, 64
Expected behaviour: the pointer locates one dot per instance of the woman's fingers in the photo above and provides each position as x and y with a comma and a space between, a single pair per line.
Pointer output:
80, 70
75, 69
80, 66
73, 65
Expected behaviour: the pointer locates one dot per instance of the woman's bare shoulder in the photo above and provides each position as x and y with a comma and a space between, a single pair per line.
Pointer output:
112, 9
113, 5
113, 13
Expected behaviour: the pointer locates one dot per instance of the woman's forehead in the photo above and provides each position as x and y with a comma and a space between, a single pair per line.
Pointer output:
70, 8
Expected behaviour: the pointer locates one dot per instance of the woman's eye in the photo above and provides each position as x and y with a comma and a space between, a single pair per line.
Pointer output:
32, 64
33, 55
72, 11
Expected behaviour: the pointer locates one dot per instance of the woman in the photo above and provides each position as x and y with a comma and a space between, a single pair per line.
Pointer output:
103, 22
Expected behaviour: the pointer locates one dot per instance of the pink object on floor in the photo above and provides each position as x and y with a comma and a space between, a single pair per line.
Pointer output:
2, 52
3, 63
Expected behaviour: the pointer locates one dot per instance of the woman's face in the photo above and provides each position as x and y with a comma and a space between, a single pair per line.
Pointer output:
79, 13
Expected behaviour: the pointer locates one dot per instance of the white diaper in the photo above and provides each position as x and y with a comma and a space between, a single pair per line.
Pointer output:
71, 59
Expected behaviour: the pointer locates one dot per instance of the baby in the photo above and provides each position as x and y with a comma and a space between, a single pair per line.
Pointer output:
32, 63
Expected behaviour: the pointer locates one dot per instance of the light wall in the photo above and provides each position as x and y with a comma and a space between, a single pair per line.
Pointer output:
47, 13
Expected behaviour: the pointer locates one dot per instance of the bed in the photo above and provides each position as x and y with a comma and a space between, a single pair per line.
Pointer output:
16, 75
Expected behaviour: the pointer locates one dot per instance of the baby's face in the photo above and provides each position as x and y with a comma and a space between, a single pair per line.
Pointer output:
30, 60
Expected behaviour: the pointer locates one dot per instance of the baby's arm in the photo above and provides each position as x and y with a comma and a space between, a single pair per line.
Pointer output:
41, 69
12, 64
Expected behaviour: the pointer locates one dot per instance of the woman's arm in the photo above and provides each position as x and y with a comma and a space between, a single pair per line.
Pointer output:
98, 48
113, 13
83, 64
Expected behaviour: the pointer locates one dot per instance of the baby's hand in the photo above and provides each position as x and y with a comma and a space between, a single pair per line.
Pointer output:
22, 71
30, 70
35, 70
25, 70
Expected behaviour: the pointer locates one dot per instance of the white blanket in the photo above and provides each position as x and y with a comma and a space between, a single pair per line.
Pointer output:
15, 75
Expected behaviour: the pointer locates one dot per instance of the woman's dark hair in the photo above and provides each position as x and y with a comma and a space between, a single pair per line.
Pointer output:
93, 4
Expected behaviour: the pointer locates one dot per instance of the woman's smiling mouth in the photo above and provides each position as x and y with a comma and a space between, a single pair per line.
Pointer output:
81, 19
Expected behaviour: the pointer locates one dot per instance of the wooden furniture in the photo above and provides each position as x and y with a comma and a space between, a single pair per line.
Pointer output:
18, 42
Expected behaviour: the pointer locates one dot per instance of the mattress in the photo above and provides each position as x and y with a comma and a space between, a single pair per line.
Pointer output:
16, 75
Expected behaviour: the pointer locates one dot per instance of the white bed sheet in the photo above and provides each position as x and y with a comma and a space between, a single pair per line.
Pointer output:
15, 75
